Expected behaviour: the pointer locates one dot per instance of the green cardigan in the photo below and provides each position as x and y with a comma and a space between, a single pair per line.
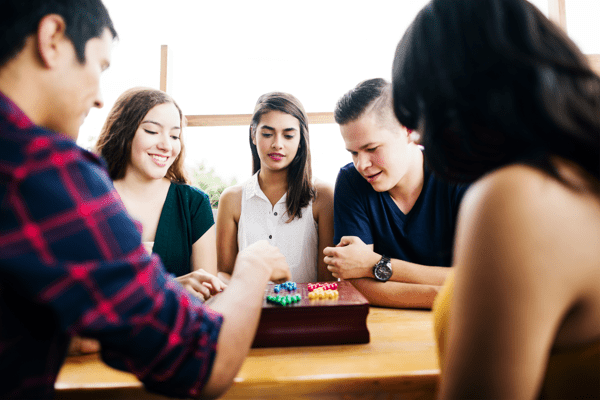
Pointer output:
185, 217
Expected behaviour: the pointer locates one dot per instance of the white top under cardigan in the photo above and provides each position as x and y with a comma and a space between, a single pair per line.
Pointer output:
298, 240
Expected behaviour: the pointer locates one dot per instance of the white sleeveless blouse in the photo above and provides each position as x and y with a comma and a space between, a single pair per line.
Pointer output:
297, 240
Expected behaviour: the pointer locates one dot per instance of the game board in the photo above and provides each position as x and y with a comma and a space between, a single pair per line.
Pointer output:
341, 320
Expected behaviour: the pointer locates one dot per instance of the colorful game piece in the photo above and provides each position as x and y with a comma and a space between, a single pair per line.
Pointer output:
284, 300
289, 286
322, 290
298, 317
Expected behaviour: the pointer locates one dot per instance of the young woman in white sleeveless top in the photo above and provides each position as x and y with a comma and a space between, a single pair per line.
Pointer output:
280, 203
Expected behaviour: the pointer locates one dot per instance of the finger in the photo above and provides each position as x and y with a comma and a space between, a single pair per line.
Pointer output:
89, 346
193, 292
333, 254
196, 287
212, 282
212, 289
208, 286
334, 262
286, 276
346, 240
218, 284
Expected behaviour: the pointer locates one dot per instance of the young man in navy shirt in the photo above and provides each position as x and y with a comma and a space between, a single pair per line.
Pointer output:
393, 220
71, 258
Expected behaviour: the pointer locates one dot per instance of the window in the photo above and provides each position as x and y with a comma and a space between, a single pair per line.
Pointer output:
225, 54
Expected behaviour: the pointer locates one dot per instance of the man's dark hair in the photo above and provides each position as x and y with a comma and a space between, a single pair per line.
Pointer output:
84, 19
372, 94
490, 83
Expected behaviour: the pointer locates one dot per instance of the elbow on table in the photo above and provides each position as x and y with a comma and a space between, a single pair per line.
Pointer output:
216, 386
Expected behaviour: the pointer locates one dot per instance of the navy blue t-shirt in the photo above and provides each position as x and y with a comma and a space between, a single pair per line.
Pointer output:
423, 236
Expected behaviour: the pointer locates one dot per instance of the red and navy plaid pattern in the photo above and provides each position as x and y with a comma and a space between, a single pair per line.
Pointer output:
71, 262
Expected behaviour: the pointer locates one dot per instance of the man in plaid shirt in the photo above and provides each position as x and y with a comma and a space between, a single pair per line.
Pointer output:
71, 259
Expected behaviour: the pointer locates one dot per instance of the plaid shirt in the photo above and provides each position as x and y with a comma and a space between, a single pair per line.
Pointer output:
71, 262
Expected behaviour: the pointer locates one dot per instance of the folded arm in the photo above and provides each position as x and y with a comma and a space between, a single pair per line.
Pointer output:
411, 285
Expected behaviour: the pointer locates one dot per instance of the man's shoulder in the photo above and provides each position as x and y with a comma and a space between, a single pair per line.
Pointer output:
349, 175
349, 170
352, 190
38, 146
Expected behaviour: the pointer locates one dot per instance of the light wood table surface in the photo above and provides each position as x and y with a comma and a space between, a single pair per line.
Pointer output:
399, 363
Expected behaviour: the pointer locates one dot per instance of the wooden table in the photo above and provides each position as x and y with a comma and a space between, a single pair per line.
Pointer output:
399, 363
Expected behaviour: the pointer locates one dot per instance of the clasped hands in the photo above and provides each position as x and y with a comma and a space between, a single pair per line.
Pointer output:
351, 258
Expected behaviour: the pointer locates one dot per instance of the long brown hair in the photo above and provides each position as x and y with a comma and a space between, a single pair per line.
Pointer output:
114, 143
299, 173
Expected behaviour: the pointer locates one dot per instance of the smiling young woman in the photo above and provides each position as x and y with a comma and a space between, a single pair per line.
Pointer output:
142, 144
280, 203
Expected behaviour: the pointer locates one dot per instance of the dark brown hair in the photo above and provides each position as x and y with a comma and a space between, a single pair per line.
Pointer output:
299, 173
114, 143
19, 19
369, 96
490, 83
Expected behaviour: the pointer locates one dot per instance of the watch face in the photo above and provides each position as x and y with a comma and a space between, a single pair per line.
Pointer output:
383, 270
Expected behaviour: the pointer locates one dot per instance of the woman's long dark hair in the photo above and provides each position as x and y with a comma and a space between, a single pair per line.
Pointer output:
116, 136
299, 173
489, 83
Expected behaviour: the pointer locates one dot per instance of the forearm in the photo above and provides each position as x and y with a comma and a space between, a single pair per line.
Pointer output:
396, 294
240, 306
402, 271
204, 252
226, 256
407, 272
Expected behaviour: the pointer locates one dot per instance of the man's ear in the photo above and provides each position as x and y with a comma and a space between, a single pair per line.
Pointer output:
50, 36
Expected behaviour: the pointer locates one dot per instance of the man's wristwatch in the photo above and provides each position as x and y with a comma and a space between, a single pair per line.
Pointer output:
383, 269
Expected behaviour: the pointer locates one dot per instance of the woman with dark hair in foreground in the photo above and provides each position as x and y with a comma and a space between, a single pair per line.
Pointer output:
503, 98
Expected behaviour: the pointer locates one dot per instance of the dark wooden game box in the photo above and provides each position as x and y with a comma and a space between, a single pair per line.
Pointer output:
314, 322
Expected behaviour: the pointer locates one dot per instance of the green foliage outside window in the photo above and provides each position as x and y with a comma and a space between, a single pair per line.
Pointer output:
210, 183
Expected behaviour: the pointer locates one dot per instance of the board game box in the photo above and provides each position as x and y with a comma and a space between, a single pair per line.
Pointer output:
337, 319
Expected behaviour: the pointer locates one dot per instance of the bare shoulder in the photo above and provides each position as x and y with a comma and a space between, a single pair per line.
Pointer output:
230, 202
235, 190
323, 191
530, 194
323, 197
531, 220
